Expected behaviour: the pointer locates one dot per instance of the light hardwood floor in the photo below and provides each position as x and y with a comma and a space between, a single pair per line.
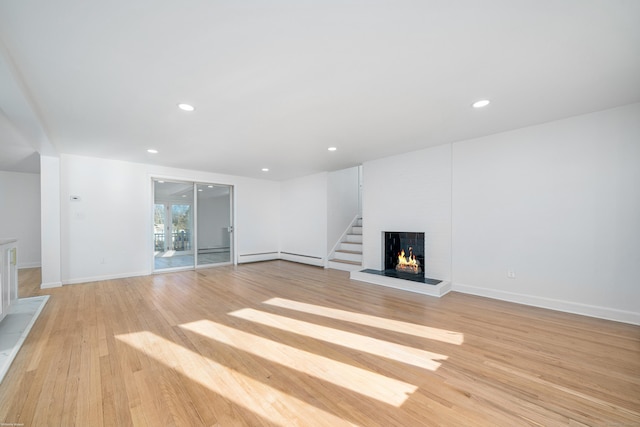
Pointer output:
279, 343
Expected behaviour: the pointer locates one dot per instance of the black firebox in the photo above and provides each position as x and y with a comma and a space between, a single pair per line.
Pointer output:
404, 252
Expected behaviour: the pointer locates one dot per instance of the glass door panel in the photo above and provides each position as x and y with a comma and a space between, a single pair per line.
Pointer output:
173, 225
159, 221
181, 226
214, 224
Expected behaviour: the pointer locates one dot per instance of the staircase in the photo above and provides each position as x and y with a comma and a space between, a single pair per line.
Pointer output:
348, 254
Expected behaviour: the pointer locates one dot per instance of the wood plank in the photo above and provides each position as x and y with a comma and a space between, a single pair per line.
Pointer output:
127, 352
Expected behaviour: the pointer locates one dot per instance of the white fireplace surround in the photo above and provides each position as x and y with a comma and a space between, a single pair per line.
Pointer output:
378, 277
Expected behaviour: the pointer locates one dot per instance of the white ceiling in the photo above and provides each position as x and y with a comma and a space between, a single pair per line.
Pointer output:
277, 82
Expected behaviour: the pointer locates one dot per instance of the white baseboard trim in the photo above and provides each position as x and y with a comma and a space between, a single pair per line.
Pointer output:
106, 277
34, 264
303, 259
263, 256
50, 285
552, 304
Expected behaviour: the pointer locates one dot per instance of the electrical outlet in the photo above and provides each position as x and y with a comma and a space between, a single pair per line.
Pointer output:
511, 274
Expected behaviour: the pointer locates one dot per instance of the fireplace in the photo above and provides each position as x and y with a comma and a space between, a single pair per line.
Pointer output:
404, 253
404, 266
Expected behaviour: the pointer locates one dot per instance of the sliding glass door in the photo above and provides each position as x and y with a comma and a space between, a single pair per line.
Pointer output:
192, 224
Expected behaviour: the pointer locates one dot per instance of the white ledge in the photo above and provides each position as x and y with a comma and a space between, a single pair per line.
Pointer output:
438, 290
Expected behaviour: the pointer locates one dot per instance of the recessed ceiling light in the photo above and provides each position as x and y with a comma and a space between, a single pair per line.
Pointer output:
161, 182
199, 189
332, 148
184, 195
152, 151
265, 169
210, 186
186, 107
481, 103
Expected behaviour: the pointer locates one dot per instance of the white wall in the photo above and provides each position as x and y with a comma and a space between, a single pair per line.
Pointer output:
20, 214
108, 233
410, 192
556, 203
105, 233
342, 202
257, 224
559, 205
50, 222
303, 214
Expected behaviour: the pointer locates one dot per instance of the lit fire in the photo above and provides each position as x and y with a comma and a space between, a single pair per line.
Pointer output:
408, 263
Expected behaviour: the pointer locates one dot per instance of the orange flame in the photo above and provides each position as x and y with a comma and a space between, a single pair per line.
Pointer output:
408, 263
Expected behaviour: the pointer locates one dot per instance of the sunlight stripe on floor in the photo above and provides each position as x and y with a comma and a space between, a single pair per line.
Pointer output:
398, 352
421, 331
226, 382
364, 382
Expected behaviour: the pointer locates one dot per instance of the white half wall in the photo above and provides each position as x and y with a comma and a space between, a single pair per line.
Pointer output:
107, 233
559, 206
303, 213
410, 192
20, 214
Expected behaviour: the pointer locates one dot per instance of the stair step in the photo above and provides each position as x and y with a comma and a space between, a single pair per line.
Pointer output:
348, 255
344, 261
347, 251
350, 246
339, 264
354, 238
